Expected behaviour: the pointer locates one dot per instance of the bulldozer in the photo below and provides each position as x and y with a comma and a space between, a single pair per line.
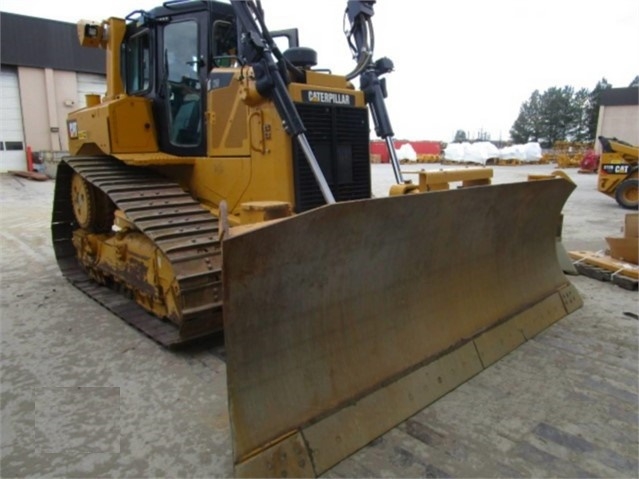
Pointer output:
222, 184
617, 171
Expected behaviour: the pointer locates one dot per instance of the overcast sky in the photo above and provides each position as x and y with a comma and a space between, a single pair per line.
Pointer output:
459, 64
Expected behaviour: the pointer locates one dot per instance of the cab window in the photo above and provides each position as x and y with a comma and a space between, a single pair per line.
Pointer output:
182, 63
137, 65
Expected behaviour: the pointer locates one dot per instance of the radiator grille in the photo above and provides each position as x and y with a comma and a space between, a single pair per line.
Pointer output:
339, 137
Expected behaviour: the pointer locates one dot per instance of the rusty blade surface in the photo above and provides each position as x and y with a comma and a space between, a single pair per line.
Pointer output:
325, 308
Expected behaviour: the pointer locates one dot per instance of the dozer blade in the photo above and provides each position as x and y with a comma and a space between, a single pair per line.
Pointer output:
344, 321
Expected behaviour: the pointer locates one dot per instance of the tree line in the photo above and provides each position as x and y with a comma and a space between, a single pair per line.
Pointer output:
560, 114
557, 114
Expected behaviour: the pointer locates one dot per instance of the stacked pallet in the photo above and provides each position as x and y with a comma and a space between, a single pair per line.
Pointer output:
618, 263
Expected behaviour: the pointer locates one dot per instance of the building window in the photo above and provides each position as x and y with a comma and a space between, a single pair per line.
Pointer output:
13, 146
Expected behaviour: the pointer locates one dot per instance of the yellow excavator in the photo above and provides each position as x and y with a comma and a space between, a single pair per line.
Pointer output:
617, 171
224, 184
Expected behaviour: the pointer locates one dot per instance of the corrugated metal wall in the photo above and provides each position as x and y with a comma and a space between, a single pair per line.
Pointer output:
41, 43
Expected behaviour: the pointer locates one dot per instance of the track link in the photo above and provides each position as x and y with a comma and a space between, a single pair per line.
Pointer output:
180, 227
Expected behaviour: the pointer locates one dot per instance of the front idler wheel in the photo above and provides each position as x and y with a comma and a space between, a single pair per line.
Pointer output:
92, 209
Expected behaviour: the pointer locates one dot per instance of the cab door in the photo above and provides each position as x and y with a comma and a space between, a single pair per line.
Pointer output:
181, 94
166, 57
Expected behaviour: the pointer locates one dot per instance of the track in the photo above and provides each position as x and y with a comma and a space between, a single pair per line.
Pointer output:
180, 227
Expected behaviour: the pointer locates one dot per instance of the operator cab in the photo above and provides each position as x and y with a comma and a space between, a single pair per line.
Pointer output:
166, 56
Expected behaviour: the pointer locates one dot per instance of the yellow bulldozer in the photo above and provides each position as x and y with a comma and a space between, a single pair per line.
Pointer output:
224, 184
617, 171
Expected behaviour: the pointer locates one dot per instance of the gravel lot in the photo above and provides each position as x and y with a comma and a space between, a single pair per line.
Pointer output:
85, 395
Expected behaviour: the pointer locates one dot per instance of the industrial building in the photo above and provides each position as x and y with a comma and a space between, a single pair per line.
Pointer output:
619, 115
44, 75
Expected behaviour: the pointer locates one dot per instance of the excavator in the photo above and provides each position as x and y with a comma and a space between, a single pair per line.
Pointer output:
222, 184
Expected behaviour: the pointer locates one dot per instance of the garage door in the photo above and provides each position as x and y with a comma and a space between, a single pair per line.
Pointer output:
12, 149
89, 83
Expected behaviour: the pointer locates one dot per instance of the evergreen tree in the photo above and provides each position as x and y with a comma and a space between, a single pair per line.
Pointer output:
460, 136
581, 130
527, 126
559, 114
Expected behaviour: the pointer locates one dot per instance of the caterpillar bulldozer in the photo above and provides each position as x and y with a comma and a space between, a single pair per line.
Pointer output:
617, 172
224, 184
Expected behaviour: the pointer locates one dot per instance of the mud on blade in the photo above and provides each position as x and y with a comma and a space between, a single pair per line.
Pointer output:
344, 321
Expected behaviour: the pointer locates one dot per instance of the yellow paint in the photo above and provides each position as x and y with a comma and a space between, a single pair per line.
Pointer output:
438, 180
608, 182
131, 126
122, 125
108, 35
259, 211
227, 117
130, 258
622, 155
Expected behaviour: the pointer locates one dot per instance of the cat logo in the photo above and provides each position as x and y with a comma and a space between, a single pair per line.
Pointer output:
327, 97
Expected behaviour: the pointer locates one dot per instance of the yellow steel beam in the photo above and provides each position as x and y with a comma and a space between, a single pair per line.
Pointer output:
441, 179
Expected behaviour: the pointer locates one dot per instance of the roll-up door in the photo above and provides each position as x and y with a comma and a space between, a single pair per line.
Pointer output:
12, 147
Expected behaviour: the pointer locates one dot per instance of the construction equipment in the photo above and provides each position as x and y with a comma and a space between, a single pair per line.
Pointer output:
222, 183
569, 154
617, 173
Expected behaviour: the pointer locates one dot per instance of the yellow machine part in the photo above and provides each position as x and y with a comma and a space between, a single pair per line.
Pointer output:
134, 262
343, 321
122, 125
629, 151
617, 173
437, 180
609, 180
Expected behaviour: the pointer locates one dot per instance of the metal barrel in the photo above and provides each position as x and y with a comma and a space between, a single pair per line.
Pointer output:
343, 321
